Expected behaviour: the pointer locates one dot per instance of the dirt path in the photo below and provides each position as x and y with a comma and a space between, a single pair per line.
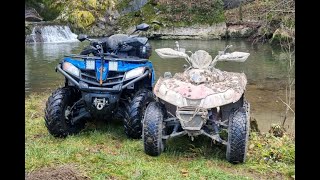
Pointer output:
60, 173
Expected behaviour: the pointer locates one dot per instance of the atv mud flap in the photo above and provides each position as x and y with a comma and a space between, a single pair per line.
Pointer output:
192, 118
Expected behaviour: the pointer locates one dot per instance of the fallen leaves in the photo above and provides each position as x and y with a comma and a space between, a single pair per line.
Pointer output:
184, 172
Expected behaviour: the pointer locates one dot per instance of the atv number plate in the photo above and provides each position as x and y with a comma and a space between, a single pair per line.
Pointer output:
113, 66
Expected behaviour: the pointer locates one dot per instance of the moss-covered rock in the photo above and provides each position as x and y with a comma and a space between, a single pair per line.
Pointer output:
178, 13
82, 19
47, 9
92, 3
92, 17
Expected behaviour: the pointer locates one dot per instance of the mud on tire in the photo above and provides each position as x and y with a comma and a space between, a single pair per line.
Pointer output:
56, 122
238, 134
153, 129
136, 111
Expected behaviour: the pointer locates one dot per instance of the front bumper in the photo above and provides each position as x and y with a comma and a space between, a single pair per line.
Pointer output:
111, 103
83, 86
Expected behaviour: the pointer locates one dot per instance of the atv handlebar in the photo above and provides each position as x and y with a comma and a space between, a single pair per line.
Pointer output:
98, 50
193, 59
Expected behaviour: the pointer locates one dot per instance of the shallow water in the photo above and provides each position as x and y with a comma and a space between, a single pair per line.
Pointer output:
265, 68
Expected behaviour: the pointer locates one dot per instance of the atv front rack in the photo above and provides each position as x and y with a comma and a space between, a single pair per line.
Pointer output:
85, 87
175, 122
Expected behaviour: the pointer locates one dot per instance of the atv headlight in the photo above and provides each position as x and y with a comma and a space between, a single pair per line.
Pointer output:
134, 73
66, 66
90, 64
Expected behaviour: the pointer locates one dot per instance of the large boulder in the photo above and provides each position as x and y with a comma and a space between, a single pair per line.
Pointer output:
32, 15
215, 31
239, 31
96, 18
134, 5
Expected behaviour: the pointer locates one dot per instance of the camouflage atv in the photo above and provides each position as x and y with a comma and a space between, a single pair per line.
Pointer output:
202, 100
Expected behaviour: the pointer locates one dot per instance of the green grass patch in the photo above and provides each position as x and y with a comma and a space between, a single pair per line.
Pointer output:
103, 151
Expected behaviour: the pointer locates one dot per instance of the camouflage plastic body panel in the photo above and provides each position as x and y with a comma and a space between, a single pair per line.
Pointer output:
201, 88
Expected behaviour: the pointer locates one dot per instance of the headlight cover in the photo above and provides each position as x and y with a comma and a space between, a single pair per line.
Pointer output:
68, 67
90, 64
134, 73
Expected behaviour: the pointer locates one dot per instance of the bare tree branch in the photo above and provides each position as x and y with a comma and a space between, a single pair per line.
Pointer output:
287, 105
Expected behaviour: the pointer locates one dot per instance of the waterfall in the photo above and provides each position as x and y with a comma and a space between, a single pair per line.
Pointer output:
51, 34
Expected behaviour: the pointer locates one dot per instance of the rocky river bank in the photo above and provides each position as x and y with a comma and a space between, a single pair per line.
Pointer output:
168, 19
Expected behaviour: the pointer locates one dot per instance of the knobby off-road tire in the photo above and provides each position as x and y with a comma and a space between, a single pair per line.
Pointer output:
238, 134
136, 111
56, 122
121, 114
153, 130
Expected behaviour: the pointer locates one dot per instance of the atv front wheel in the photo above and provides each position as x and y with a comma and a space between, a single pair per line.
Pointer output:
238, 134
152, 130
136, 110
56, 110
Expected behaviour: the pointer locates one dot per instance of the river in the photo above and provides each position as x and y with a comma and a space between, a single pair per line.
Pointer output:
266, 70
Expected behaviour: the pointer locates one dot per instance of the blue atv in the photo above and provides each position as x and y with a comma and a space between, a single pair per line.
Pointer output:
112, 78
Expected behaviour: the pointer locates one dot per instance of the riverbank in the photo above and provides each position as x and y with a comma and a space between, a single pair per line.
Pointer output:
202, 32
102, 151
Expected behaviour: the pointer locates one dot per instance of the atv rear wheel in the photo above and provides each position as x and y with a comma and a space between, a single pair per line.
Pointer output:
238, 134
56, 109
136, 111
153, 130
